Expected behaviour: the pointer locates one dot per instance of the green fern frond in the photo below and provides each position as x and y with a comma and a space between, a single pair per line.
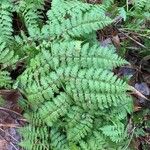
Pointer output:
107, 3
51, 111
29, 11
5, 80
74, 115
34, 137
81, 129
75, 21
115, 132
6, 30
45, 84
139, 4
78, 26
58, 139
96, 141
34, 118
76, 53
69, 9
7, 56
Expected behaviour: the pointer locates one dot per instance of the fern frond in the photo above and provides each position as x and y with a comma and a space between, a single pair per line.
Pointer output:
6, 30
45, 85
7, 56
28, 10
115, 132
34, 118
139, 4
5, 80
51, 111
81, 129
41, 89
96, 141
74, 115
76, 53
107, 3
84, 55
69, 9
26, 44
34, 137
120, 112
78, 26
75, 21
58, 139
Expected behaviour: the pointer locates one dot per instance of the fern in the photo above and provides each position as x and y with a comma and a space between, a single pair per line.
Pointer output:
81, 129
59, 108
6, 21
139, 4
7, 56
58, 139
72, 23
114, 132
28, 10
72, 98
40, 89
5, 80
36, 137
108, 3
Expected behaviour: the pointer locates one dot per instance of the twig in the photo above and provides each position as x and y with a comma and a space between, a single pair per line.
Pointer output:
9, 125
14, 146
136, 92
133, 32
132, 39
9, 135
24, 120
117, 20
10, 143
8, 110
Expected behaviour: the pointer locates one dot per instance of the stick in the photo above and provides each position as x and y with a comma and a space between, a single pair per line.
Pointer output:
8, 110
132, 39
136, 92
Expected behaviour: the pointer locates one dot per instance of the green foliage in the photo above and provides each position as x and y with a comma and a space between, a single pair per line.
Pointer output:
7, 56
28, 11
139, 13
5, 80
139, 16
72, 98
74, 19
6, 21
107, 3
140, 4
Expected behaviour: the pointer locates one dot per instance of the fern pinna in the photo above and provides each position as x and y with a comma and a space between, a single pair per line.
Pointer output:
72, 100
